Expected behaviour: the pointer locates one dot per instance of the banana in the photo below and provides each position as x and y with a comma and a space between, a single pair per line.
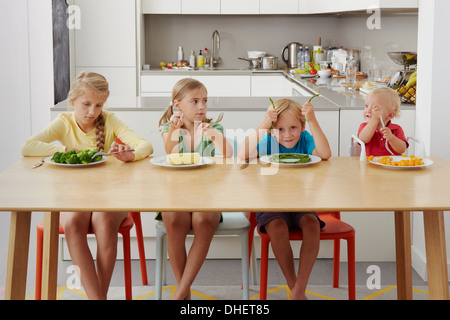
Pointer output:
183, 158
412, 80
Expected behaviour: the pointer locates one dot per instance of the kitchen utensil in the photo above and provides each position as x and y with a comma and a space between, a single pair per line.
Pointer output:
270, 63
101, 153
292, 49
387, 144
219, 118
40, 163
255, 63
245, 164
255, 54
403, 58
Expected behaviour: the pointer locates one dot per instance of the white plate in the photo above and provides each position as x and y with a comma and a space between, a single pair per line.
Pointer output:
49, 160
426, 163
162, 162
266, 160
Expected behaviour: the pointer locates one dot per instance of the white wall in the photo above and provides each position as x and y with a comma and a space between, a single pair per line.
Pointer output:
26, 90
270, 33
433, 109
26, 77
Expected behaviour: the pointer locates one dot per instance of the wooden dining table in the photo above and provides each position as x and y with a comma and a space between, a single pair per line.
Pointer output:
338, 184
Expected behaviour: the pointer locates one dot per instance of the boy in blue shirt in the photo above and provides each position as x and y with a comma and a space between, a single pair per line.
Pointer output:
288, 119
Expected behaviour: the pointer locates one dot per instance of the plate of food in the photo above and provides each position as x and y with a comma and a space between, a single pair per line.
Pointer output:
75, 159
400, 162
181, 160
290, 159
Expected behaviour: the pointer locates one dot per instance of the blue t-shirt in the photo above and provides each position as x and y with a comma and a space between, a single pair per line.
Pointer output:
269, 144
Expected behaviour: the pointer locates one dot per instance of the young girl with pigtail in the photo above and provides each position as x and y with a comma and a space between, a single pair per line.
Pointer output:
189, 130
90, 127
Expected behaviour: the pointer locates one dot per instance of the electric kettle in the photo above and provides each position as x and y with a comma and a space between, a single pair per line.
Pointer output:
292, 49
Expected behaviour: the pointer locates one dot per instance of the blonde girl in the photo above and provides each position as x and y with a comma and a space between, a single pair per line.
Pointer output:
90, 127
190, 130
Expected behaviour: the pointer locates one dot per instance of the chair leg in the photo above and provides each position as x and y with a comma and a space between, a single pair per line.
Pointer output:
264, 268
127, 264
159, 264
140, 241
245, 265
351, 268
254, 267
336, 262
39, 248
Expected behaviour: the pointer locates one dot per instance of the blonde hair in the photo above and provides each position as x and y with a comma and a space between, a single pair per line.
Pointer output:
179, 91
288, 105
84, 82
393, 96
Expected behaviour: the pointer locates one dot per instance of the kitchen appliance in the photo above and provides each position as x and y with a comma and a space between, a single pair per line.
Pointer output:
405, 59
292, 49
270, 63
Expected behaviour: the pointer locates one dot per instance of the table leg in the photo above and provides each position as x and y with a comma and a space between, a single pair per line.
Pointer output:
436, 254
50, 255
19, 241
403, 255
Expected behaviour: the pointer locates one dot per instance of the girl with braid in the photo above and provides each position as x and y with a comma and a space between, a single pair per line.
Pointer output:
90, 127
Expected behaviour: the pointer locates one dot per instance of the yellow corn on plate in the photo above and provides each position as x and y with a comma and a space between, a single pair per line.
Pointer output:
183, 158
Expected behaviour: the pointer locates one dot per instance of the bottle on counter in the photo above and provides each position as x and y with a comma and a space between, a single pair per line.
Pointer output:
192, 59
180, 54
300, 58
206, 58
307, 58
200, 60
351, 67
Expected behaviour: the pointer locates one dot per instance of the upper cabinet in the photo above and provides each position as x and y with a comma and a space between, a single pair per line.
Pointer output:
271, 6
161, 6
278, 7
105, 42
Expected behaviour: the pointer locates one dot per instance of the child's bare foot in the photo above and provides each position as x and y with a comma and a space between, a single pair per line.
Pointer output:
294, 295
180, 295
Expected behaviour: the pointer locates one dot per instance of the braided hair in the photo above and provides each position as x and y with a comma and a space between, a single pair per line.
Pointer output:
91, 81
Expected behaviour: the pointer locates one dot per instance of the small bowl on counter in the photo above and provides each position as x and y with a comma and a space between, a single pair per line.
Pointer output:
324, 73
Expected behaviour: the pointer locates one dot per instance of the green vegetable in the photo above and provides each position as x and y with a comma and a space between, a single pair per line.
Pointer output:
316, 95
282, 157
273, 105
73, 157
57, 157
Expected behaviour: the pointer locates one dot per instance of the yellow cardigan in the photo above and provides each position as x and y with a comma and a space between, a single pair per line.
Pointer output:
65, 130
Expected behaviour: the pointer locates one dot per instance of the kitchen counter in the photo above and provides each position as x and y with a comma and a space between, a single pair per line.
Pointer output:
331, 90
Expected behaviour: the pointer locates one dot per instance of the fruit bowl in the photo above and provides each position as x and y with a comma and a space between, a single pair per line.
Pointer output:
403, 58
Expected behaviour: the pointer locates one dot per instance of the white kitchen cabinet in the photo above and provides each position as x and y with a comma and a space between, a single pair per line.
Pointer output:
200, 7
239, 7
332, 6
270, 85
226, 86
351, 119
278, 7
159, 85
107, 41
161, 6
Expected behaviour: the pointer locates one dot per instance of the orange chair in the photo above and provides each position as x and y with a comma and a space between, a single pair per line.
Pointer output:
124, 230
335, 229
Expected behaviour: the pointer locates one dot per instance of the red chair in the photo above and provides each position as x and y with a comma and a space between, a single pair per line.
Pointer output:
335, 229
124, 230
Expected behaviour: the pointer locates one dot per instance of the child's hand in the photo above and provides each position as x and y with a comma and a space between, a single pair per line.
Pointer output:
387, 133
206, 130
123, 156
376, 112
177, 119
308, 111
270, 117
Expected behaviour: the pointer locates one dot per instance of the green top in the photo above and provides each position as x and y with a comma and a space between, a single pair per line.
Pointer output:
206, 148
